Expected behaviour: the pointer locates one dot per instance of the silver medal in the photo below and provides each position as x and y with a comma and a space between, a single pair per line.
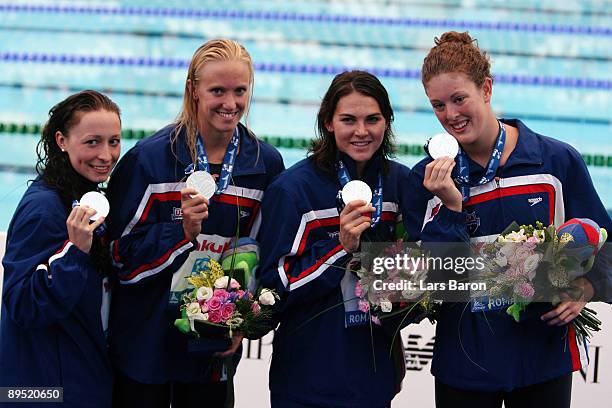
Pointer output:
356, 190
98, 202
443, 145
203, 183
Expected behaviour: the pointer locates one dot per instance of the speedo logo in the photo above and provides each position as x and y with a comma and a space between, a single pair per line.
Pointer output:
534, 201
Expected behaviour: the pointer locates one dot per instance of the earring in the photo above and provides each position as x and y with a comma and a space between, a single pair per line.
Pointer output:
63, 150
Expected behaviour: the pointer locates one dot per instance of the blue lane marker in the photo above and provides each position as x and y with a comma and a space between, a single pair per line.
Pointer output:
301, 17
513, 79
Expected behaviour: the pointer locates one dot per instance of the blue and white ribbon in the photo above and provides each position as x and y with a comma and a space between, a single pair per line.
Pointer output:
228, 161
463, 178
377, 196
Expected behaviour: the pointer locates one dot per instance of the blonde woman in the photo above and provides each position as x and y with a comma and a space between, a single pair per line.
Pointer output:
160, 222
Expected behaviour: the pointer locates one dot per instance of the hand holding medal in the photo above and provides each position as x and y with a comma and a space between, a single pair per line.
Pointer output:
442, 148
356, 190
203, 182
355, 218
86, 216
200, 188
442, 145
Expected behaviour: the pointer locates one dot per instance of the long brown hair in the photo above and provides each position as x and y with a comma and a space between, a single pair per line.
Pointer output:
54, 167
52, 164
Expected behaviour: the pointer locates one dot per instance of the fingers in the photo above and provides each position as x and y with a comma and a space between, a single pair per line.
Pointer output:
80, 231
80, 216
193, 202
195, 210
439, 170
438, 180
354, 210
97, 223
356, 217
353, 223
563, 314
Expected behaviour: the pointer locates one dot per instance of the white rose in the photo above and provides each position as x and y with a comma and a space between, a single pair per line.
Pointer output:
201, 317
222, 282
531, 264
193, 309
508, 250
267, 298
204, 293
517, 236
386, 306
501, 260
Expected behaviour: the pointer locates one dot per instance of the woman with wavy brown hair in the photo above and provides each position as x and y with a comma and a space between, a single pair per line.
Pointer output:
56, 266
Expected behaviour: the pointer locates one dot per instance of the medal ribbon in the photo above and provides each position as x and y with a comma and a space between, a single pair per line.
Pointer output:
463, 178
377, 197
228, 161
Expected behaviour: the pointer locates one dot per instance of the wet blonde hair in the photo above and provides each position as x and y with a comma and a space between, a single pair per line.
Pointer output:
213, 50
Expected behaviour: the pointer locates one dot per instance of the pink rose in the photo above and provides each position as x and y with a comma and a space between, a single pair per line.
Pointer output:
214, 303
227, 310
222, 294
524, 290
364, 306
214, 316
203, 305
240, 293
358, 289
255, 308
375, 320
523, 251
234, 284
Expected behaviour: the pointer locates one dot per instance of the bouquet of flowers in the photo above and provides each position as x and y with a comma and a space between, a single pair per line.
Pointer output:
395, 296
528, 264
218, 305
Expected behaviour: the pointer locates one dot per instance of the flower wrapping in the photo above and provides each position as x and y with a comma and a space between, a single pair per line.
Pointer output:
218, 305
529, 264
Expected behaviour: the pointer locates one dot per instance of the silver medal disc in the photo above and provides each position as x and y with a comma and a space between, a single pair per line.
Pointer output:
442, 145
356, 190
98, 202
203, 183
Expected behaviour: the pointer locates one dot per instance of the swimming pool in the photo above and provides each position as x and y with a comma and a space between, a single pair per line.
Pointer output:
552, 65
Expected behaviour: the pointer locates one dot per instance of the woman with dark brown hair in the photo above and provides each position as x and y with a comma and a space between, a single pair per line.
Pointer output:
326, 351
56, 292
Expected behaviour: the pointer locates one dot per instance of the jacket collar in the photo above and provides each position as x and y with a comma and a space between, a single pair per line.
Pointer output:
249, 160
528, 150
370, 172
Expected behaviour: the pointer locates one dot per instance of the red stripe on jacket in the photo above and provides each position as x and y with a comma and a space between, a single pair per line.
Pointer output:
517, 190
157, 262
316, 265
